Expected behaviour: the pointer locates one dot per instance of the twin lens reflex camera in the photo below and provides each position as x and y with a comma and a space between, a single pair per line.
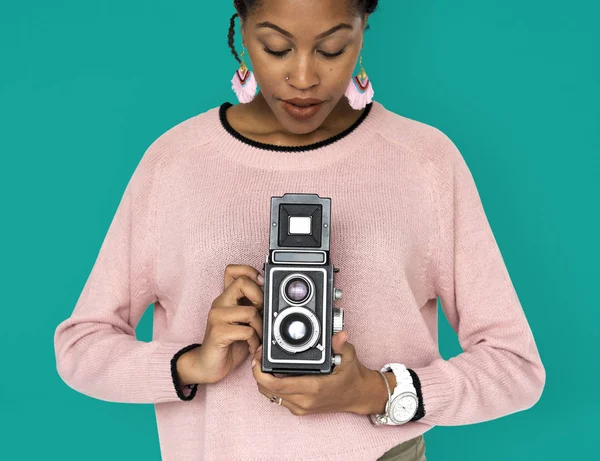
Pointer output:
299, 319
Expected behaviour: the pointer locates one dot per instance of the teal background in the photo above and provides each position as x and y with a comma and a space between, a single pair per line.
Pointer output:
87, 86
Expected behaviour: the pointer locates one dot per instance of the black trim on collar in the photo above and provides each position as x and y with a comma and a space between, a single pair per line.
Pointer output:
261, 145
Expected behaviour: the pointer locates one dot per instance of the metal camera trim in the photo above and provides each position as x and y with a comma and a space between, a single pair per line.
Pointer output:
269, 314
311, 289
296, 310
295, 250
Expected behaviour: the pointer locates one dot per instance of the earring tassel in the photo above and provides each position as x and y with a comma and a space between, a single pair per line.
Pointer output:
244, 85
359, 92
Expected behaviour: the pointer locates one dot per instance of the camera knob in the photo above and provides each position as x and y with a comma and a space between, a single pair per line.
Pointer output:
338, 320
337, 359
337, 293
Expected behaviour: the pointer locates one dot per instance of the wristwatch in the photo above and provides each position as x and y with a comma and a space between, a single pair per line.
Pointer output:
403, 402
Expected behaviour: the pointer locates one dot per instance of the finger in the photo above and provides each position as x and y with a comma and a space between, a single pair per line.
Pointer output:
243, 315
338, 340
287, 401
286, 385
230, 333
243, 287
348, 353
233, 271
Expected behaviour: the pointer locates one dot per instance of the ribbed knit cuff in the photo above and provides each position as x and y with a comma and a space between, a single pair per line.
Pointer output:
181, 393
436, 392
421, 407
163, 379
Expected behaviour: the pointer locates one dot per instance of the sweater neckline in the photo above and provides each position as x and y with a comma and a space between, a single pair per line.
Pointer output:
233, 144
261, 145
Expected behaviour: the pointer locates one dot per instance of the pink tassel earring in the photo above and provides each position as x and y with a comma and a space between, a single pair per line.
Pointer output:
360, 90
243, 82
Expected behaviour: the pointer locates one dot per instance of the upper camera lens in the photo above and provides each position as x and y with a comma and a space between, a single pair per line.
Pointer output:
297, 290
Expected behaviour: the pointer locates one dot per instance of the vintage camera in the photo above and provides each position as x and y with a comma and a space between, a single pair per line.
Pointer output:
298, 316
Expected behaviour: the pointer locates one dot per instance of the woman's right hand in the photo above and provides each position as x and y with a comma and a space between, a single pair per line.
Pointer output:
232, 330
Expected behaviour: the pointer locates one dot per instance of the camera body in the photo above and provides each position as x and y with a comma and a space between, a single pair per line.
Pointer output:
299, 319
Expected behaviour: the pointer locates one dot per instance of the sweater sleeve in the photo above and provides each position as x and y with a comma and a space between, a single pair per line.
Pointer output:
499, 371
97, 353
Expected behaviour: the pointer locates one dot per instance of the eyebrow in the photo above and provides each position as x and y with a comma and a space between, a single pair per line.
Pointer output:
270, 25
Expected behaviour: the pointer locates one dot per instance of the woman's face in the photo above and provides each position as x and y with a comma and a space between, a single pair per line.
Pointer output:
304, 33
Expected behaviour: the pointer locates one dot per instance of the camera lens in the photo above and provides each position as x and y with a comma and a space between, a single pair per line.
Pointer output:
297, 290
296, 329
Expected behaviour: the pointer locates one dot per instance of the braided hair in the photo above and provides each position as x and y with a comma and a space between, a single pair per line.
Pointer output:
245, 7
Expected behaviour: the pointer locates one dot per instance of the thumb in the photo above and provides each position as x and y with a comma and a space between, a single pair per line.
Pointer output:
338, 340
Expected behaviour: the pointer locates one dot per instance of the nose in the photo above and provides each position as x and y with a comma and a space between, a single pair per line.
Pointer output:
303, 74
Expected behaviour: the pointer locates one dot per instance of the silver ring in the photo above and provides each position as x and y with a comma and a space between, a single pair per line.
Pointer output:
275, 399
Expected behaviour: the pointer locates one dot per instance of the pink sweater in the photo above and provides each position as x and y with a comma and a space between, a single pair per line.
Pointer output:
408, 227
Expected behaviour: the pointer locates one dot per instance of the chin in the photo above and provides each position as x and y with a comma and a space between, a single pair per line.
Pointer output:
301, 127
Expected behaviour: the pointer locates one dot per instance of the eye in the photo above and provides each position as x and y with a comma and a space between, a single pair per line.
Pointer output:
333, 55
277, 54
281, 54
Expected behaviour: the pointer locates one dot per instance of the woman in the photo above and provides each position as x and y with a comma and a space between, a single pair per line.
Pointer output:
191, 234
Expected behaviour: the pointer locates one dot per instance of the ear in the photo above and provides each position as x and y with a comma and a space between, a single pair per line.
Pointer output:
242, 25
365, 20
242, 28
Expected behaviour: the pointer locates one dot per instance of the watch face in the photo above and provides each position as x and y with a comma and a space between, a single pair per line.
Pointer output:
403, 407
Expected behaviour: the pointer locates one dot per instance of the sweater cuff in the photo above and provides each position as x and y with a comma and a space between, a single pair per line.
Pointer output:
163, 373
421, 406
435, 391
183, 392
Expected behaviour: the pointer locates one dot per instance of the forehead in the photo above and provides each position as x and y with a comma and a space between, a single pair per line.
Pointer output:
302, 17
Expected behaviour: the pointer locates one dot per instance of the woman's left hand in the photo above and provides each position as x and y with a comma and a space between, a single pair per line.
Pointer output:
342, 390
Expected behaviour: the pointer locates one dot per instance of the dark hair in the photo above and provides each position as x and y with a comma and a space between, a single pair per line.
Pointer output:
244, 7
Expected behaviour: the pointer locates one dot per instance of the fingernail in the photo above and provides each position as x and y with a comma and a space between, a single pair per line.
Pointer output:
253, 362
259, 348
261, 279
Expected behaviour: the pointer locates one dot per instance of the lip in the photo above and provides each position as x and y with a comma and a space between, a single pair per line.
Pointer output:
302, 113
303, 101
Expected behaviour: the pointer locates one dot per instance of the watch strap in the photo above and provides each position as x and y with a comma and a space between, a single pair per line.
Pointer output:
403, 384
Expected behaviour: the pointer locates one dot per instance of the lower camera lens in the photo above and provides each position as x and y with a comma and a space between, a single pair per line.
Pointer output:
296, 329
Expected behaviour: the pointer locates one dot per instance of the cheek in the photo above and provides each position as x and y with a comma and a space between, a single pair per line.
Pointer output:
268, 80
341, 72
340, 78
